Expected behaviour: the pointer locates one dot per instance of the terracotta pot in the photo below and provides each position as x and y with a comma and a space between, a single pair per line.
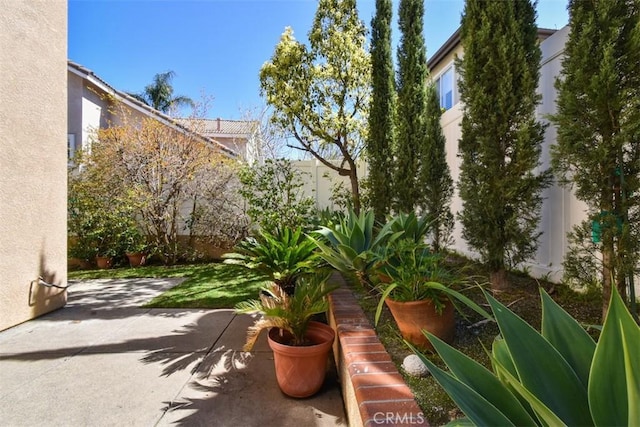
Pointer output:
75, 263
300, 370
104, 262
136, 259
414, 316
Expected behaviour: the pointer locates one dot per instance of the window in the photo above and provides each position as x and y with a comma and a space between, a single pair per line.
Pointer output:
71, 147
445, 88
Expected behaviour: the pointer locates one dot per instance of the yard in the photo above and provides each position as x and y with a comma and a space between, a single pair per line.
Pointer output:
216, 285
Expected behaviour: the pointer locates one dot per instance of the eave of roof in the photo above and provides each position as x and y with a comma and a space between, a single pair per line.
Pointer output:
445, 49
453, 41
132, 102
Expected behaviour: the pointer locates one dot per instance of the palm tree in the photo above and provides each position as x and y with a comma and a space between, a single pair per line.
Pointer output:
159, 94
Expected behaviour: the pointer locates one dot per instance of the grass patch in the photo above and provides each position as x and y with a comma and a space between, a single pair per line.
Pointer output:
212, 285
154, 271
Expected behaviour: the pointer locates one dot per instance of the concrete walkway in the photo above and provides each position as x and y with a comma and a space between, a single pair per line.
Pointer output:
104, 361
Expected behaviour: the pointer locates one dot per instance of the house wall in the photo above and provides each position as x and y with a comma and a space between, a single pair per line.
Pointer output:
560, 210
88, 109
33, 158
237, 144
74, 106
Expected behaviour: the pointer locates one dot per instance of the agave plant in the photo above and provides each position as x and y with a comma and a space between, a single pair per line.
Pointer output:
291, 313
349, 245
412, 226
555, 377
281, 257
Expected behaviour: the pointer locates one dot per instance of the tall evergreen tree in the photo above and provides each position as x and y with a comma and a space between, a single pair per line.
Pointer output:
501, 139
412, 101
435, 177
598, 149
380, 139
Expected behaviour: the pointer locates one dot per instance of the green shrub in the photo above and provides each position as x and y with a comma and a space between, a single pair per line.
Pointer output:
275, 197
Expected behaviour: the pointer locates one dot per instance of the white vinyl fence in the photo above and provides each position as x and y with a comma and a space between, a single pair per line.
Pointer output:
320, 180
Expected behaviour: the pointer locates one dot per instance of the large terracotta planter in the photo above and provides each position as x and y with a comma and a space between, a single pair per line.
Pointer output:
104, 262
300, 370
414, 316
136, 259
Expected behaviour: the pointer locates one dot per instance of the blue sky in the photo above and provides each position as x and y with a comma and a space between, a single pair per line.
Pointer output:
217, 47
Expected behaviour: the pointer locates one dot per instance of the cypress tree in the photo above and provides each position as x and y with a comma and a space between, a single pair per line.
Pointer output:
380, 140
411, 110
501, 139
598, 147
435, 177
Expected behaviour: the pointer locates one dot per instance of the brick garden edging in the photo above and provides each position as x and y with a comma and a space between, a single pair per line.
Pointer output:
374, 392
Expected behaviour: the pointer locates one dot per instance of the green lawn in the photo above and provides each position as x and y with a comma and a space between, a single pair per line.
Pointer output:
207, 286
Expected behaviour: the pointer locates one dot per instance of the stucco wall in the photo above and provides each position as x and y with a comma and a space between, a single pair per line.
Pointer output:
88, 109
33, 157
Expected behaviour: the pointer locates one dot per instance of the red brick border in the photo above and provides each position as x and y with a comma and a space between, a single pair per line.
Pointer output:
374, 392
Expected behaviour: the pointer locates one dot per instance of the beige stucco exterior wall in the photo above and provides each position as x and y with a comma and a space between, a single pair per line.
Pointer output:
33, 157
89, 109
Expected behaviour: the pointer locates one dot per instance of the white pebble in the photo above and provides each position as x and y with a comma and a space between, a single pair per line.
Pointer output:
414, 366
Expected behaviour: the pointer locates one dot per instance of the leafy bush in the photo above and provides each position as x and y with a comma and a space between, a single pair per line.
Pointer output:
170, 181
100, 220
275, 196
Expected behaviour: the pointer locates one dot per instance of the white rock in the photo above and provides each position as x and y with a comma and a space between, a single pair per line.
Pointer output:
414, 366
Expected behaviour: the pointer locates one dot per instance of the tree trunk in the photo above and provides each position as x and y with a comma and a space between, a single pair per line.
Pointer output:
499, 281
355, 187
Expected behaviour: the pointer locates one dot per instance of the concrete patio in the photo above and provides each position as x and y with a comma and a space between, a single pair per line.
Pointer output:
102, 360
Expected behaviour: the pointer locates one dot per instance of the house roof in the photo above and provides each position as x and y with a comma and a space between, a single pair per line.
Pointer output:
220, 127
453, 41
134, 103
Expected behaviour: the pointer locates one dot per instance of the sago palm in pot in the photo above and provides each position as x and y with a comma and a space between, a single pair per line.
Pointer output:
301, 346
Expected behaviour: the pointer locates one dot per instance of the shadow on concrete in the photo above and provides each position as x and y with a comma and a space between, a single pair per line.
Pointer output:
248, 395
225, 386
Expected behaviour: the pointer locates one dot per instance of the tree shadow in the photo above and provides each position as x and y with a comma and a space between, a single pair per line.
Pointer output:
225, 384
245, 392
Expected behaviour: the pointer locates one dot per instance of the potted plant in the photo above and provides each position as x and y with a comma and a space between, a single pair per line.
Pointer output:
416, 288
105, 243
135, 246
281, 256
300, 345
